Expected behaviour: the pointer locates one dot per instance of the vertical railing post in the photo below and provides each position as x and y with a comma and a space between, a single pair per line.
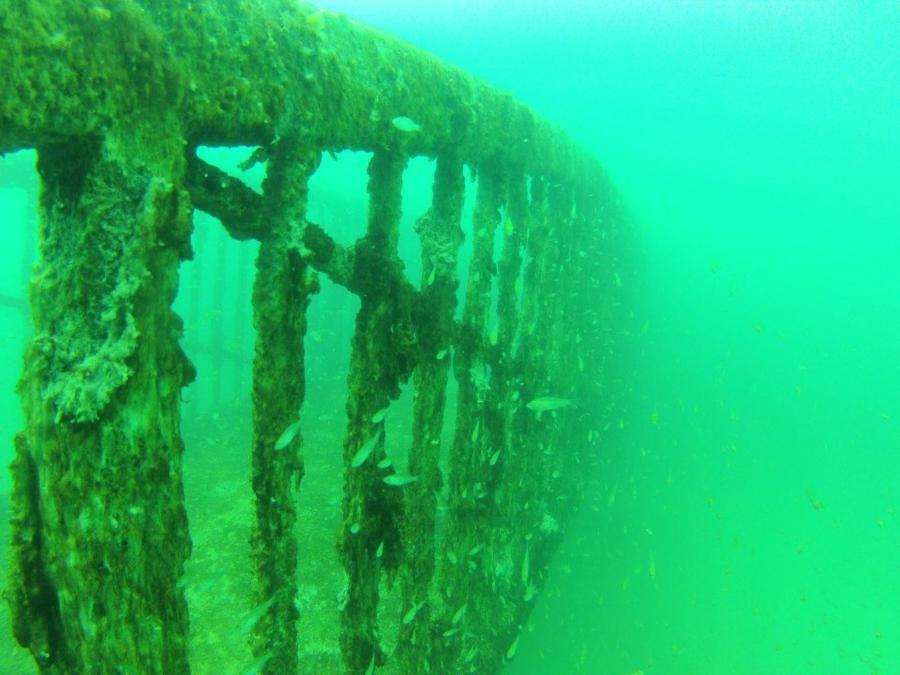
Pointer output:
99, 526
440, 233
281, 293
467, 551
381, 358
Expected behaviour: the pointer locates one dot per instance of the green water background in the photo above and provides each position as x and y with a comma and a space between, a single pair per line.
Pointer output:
745, 518
754, 525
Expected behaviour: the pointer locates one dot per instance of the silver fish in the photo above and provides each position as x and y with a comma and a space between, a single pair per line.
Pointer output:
363, 453
411, 614
287, 435
547, 403
257, 666
399, 480
406, 125
253, 617
511, 652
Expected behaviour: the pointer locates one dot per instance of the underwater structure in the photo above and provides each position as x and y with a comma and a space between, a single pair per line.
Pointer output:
115, 96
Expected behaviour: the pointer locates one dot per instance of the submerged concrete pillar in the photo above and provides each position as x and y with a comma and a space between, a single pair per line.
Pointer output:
100, 532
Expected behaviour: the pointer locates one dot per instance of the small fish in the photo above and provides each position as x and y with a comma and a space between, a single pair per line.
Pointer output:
411, 614
511, 652
385, 463
546, 403
257, 666
254, 616
363, 453
405, 124
399, 480
495, 457
380, 550
440, 355
287, 435
459, 614
379, 416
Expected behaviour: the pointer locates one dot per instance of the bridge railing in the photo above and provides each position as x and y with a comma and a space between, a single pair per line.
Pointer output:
115, 98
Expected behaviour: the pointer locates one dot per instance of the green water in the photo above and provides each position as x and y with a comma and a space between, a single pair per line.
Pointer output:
746, 521
745, 518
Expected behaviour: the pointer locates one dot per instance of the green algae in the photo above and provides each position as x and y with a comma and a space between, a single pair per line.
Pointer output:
116, 100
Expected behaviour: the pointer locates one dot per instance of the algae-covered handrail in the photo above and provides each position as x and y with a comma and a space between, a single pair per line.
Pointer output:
245, 76
115, 96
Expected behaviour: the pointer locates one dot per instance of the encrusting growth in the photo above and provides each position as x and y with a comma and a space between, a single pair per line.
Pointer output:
100, 535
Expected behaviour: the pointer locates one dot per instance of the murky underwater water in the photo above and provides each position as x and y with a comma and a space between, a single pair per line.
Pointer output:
744, 519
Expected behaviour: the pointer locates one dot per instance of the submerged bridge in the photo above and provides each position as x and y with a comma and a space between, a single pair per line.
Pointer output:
116, 96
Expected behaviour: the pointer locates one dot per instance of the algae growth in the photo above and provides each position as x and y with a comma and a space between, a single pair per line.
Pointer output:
116, 101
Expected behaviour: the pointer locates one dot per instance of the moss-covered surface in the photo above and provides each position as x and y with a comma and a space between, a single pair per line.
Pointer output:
381, 360
99, 529
115, 96
441, 237
280, 296
242, 74
467, 558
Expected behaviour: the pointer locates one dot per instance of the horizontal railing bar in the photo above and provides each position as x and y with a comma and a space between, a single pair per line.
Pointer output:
239, 81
